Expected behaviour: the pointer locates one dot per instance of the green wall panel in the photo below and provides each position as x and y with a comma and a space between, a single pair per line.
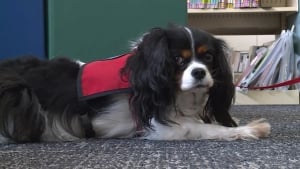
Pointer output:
93, 29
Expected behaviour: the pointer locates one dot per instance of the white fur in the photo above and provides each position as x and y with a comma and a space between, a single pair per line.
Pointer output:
3, 139
10, 123
191, 39
194, 129
135, 43
188, 125
56, 132
116, 121
80, 63
189, 82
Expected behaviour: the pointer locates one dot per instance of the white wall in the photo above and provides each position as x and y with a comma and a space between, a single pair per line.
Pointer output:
243, 42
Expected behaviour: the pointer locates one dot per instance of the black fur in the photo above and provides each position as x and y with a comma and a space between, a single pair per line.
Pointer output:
16, 95
222, 93
32, 90
152, 76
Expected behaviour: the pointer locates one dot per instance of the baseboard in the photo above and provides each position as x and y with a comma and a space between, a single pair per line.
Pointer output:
267, 97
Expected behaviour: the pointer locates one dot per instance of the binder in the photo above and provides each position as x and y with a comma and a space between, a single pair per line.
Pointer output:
272, 65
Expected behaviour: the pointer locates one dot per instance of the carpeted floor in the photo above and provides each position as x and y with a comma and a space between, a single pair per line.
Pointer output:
280, 150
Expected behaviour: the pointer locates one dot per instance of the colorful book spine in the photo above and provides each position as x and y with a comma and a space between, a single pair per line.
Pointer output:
215, 4
222, 4
237, 4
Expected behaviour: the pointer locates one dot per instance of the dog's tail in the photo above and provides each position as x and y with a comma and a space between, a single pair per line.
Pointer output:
20, 116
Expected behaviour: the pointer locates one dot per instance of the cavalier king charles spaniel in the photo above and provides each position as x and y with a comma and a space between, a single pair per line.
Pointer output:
175, 84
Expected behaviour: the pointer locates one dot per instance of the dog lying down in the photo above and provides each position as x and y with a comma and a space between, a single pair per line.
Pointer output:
175, 84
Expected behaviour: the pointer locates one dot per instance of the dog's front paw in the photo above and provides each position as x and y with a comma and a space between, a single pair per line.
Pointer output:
259, 128
254, 130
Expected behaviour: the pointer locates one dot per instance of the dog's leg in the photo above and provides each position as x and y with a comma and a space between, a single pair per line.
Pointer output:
254, 130
195, 130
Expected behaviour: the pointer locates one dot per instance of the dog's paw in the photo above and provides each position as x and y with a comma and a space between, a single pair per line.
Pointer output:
254, 130
259, 128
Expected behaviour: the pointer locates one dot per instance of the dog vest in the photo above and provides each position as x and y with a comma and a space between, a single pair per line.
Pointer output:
102, 77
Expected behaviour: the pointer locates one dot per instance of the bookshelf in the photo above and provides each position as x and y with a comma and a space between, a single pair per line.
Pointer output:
290, 9
247, 21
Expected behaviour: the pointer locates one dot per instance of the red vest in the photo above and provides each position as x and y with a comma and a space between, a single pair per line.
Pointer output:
102, 77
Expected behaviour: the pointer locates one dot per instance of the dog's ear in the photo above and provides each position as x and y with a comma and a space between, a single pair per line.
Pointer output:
151, 73
222, 93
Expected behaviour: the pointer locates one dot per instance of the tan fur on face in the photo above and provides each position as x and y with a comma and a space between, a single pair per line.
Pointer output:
186, 53
202, 49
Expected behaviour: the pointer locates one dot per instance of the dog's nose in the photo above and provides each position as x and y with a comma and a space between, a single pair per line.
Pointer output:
198, 73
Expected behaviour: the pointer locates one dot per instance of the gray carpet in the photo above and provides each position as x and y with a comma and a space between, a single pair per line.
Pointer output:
280, 150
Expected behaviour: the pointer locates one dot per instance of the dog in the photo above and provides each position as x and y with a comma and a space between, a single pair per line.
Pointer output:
177, 85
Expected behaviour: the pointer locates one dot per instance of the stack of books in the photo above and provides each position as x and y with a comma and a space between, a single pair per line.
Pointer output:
221, 4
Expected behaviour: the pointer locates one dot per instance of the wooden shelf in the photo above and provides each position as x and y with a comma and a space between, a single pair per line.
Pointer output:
243, 21
291, 9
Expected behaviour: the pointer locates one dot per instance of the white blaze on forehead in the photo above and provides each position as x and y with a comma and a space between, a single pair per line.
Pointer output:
191, 40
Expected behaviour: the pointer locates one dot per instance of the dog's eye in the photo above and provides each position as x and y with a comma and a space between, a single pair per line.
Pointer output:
208, 58
180, 61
